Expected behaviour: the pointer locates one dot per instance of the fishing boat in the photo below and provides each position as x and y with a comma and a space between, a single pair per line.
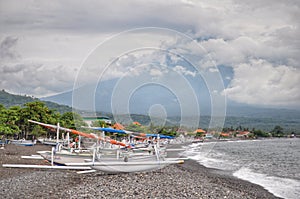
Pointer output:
120, 166
3, 141
23, 142
129, 162
51, 142
117, 160
61, 155
64, 156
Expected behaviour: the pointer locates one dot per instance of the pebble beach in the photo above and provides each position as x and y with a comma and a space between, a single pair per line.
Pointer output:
188, 180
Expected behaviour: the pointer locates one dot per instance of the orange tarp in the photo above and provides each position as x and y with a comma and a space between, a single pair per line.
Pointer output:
137, 123
200, 131
244, 133
225, 134
118, 126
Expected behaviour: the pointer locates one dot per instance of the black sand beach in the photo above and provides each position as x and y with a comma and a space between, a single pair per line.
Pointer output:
189, 180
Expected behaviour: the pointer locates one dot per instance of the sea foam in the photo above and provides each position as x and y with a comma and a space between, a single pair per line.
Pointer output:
281, 187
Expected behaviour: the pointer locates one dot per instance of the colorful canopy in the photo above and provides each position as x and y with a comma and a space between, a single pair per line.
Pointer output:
160, 136
110, 130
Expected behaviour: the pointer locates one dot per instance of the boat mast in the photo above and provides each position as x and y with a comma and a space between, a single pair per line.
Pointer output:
57, 133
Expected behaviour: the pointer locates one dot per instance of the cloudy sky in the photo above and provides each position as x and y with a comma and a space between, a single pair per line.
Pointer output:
44, 44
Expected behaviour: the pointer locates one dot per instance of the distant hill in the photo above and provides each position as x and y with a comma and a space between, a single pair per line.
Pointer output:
9, 100
144, 98
290, 124
245, 116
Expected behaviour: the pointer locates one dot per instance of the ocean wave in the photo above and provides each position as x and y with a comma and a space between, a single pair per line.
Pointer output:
281, 187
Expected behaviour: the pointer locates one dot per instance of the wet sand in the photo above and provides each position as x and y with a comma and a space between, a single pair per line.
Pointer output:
188, 180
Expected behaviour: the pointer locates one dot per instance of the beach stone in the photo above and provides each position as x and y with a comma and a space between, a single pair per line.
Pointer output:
189, 180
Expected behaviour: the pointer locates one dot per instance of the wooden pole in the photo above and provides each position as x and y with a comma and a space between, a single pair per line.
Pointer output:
57, 133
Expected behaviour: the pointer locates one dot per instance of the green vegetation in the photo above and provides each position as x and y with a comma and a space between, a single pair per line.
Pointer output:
14, 120
199, 134
260, 133
99, 123
15, 110
8, 100
136, 128
14, 123
171, 131
277, 131
289, 124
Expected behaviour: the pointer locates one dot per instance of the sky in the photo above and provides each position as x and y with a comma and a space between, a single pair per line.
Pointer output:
46, 47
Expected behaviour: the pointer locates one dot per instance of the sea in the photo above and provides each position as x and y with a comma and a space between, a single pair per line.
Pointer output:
272, 163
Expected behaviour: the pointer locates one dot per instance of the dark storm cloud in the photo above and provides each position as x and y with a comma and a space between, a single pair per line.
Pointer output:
7, 48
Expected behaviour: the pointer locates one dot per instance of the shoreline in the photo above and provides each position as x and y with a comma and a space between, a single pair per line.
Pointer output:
247, 188
223, 175
188, 180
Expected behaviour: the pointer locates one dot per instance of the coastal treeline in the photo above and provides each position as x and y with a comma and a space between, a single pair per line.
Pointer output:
14, 120
14, 123
278, 131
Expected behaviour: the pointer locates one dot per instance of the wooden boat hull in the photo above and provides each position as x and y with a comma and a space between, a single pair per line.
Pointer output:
22, 142
50, 142
128, 167
63, 158
129, 164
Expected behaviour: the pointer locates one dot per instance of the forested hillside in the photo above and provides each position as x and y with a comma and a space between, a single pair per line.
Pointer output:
289, 120
8, 100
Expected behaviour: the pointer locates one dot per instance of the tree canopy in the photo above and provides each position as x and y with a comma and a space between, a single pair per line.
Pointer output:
14, 120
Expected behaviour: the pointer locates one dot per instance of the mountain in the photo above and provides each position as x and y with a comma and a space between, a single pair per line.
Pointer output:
145, 97
237, 115
9, 100
141, 100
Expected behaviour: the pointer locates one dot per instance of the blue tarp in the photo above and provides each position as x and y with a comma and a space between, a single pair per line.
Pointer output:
160, 136
110, 130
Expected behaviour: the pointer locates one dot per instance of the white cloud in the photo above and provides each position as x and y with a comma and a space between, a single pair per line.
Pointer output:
155, 72
213, 70
49, 40
230, 52
38, 77
184, 71
260, 82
